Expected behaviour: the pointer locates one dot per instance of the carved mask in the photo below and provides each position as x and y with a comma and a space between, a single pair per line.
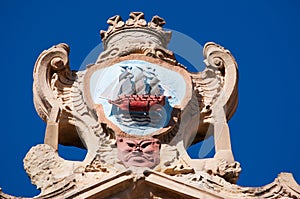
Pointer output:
140, 153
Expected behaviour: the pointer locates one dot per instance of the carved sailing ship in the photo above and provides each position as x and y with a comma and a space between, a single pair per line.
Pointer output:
138, 93
162, 168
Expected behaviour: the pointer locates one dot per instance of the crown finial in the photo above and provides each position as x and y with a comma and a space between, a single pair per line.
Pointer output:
136, 35
156, 22
136, 20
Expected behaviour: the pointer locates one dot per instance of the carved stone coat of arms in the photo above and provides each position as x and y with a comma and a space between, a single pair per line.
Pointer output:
136, 110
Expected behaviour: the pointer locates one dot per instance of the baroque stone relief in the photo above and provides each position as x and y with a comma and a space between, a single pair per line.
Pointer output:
137, 99
135, 111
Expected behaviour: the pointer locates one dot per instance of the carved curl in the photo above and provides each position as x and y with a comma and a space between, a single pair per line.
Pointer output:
55, 88
217, 84
50, 62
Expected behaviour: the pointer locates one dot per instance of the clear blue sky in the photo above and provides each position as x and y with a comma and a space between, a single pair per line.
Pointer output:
262, 35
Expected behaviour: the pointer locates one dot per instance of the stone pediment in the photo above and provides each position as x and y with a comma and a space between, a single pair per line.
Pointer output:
151, 184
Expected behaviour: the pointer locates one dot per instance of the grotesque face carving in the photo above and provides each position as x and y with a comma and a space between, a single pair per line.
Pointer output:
140, 153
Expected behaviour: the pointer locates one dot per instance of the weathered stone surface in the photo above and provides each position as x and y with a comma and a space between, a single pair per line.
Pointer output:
139, 153
151, 109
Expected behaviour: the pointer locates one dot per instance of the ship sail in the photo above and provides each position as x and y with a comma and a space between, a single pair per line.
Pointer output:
155, 87
126, 86
140, 84
137, 82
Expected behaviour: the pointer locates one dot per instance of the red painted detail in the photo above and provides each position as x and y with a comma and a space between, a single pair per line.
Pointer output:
138, 103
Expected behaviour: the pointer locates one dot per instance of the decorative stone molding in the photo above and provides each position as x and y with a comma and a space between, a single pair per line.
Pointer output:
136, 36
136, 20
151, 184
134, 121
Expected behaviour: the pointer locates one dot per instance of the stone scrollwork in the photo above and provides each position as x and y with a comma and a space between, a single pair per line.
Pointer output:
217, 84
52, 61
216, 88
53, 80
143, 158
59, 100
284, 186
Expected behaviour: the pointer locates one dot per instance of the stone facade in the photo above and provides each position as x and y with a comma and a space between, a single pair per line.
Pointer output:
135, 111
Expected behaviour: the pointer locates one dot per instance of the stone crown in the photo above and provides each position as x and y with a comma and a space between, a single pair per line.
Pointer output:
136, 22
